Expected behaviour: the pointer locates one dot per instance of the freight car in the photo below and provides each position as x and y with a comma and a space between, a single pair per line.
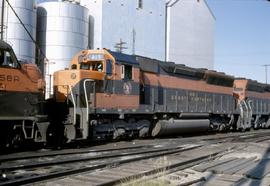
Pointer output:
21, 99
109, 95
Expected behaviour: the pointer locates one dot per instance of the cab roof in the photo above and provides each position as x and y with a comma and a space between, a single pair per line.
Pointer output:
5, 46
124, 58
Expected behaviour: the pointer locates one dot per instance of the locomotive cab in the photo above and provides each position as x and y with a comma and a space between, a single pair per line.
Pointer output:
95, 65
98, 62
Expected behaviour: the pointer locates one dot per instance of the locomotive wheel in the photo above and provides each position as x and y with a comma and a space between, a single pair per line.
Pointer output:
15, 139
144, 132
222, 128
118, 133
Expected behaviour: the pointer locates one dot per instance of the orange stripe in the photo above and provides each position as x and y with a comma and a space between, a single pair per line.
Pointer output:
265, 95
186, 84
117, 101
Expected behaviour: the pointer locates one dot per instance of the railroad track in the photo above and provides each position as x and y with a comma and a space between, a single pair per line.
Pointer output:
32, 170
121, 173
66, 152
103, 150
256, 136
113, 166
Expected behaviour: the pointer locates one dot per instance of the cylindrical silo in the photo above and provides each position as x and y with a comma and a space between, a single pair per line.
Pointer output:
62, 31
14, 33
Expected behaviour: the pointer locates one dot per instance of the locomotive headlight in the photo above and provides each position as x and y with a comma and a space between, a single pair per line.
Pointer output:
73, 76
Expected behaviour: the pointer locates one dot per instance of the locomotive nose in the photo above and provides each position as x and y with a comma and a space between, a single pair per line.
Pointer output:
66, 80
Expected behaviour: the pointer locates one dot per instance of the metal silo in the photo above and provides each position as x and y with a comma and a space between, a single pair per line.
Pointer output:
62, 31
13, 31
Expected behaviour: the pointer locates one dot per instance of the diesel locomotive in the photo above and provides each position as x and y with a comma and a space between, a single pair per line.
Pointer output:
110, 95
21, 99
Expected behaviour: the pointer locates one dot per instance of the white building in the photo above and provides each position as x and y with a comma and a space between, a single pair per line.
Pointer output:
138, 23
190, 33
141, 26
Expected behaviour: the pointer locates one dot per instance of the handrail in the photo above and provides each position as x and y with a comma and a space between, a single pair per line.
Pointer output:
241, 114
249, 104
86, 98
248, 112
241, 110
74, 105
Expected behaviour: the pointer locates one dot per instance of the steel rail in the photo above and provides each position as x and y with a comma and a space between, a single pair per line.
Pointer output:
67, 152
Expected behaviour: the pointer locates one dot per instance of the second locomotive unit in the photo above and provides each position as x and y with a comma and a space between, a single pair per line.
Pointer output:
22, 116
109, 95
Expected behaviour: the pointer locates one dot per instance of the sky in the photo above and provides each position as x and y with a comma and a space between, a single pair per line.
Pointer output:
242, 37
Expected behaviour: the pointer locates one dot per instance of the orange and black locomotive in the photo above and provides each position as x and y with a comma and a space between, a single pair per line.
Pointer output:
110, 95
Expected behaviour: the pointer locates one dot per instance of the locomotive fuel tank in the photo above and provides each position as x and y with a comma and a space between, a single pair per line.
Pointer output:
177, 126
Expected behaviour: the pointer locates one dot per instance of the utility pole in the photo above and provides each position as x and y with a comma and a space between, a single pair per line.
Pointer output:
168, 5
133, 41
266, 70
2, 19
120, 46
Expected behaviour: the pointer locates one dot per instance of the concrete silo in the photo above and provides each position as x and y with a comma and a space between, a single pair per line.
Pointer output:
62, 31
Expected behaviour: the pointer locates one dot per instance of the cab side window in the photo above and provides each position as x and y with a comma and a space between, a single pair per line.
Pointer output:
74, 66
126, 72
85, 66
6, 60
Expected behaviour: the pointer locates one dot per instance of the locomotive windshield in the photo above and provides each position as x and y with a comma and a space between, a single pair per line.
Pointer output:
7, 59
93, 62
92, 65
